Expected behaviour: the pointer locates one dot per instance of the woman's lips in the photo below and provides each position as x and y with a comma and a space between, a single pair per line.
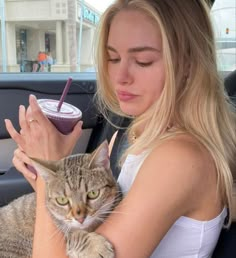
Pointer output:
125, 96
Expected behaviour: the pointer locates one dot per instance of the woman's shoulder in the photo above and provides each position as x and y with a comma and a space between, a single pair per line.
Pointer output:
183, 169
186, 153
183, 146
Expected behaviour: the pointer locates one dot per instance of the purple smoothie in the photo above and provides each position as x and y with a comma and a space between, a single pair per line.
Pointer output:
65, 119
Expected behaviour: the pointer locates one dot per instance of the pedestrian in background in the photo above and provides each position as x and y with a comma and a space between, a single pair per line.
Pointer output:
49, 61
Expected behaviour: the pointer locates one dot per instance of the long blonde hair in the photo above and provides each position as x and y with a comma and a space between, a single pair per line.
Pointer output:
193, 97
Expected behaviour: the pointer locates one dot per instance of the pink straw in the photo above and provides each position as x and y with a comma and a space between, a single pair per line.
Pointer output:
64, 93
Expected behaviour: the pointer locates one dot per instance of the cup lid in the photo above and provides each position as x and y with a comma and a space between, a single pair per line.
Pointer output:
49, 108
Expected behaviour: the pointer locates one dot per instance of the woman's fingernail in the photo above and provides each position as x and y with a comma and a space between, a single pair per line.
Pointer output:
32, 96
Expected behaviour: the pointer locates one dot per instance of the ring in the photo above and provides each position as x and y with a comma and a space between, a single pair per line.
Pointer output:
32, 120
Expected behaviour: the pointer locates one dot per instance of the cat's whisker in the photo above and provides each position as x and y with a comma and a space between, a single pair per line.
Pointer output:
122, 204
98, 216
116, 212
95, 218
105, 208
65, 229
56, 232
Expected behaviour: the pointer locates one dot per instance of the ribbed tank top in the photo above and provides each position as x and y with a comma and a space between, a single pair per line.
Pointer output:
187, 237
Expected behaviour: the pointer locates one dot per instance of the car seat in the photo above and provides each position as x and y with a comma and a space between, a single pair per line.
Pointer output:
226, 246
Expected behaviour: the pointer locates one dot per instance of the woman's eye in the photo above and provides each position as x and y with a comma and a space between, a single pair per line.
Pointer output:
113, 60
144, 64
62, 200
93, 194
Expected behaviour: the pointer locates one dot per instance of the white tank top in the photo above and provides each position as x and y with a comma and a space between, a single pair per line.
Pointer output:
187, 238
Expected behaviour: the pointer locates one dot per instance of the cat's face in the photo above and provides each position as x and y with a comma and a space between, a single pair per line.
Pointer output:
81, 190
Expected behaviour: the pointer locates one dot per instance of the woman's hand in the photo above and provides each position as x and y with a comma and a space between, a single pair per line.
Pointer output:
20, 161
38, 137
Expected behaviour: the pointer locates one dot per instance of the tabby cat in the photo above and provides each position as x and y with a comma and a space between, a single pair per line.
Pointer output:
80, 193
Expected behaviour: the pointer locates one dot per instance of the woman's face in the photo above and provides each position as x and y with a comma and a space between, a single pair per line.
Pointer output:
135, 61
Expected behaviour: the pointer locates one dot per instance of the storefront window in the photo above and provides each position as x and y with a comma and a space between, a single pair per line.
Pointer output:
61, 31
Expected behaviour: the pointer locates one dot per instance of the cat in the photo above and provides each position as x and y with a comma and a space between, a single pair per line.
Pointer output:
80, 193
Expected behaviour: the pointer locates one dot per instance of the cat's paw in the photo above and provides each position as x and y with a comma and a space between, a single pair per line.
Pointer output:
100, 247
91, 245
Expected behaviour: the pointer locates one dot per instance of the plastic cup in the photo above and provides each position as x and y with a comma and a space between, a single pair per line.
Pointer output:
65, 119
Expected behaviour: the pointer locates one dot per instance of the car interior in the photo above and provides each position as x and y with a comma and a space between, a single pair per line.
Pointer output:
15, 89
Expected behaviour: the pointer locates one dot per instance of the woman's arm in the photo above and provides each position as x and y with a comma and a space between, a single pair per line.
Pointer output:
172, 182
178, 178
48, 240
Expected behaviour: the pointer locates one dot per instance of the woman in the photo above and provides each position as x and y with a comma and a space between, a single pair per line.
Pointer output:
156, 63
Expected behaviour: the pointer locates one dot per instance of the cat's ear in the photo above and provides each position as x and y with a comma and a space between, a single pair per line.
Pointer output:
46, 169
100, 157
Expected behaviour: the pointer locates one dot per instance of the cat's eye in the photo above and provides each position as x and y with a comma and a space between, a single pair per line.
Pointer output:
62, 200
93, 194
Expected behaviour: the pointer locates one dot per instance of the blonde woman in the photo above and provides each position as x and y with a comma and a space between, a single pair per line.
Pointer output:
156, 63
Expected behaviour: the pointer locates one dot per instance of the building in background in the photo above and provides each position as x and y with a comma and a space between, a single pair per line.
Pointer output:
49, 26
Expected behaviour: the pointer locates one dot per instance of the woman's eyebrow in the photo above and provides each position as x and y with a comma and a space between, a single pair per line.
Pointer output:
136, 49
111, 49
143, 48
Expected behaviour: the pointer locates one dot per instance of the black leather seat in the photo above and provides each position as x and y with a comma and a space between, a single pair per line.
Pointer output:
226, 246
230, 84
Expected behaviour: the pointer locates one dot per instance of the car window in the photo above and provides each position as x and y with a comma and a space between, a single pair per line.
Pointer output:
57, 35
48, 35
223, 14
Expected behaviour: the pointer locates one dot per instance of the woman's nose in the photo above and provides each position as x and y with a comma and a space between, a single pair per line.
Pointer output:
124, 75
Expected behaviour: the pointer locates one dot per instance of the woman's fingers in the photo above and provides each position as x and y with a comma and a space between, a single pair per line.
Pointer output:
77, 131
37, 118
20, 161
22, 119
24, 139
38, 137
18, 138
20, 155
71, 139
29, 176
35, 111
22, 167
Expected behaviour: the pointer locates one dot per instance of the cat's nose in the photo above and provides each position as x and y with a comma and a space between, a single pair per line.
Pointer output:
80, 215
81, 219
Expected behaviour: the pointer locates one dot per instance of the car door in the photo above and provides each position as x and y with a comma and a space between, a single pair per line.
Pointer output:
15, 90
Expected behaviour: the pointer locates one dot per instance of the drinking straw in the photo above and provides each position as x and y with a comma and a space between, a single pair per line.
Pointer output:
64, 93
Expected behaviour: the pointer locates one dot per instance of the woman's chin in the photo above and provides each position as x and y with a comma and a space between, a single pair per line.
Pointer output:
130, 112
